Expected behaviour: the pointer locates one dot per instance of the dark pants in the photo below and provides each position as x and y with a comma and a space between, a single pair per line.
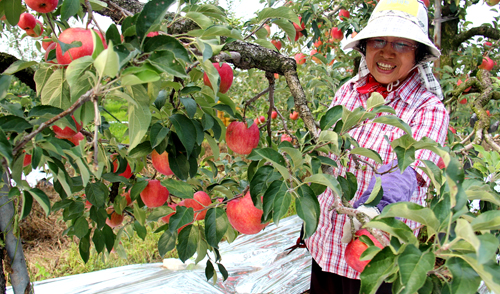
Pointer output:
330, 283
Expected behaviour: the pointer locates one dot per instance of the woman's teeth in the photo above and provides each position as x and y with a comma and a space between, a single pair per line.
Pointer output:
384, 66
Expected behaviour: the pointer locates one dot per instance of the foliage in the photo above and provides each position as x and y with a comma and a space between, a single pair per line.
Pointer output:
159, 81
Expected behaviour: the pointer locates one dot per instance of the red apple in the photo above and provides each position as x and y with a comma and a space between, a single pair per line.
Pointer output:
152, 34
72, 35
286, 137
67, 132
452, 129
459, 82
241, 139
26, 21
42, 6
27, 160
36, 31
487, 43
51, 47
298, 29
318, 43
268, 29
487, 64
256, 120
244, 216
77, 138
355, 248
200, 200
441, 164
262, 119
294, 115
488, 113
126, 194
276, 76
336, 34
46, 44
115, 219
226, 77
277, 44
154, 195
274, 114
427, 3
315, 59
128, 171
463, 101
300, 58
160, 163
344, 14
167, 217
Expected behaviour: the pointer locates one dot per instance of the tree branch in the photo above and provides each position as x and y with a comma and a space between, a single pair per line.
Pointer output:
484, 31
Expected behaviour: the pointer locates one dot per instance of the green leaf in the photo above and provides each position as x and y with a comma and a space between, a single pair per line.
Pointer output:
413, 267
41, 77
179, 188
488, 272
464, 230
142, 77
216, 224
4, 85
77, 68
42, 199
158, 134
185, 130
84, 247
275, 158
264, 43
223, 271
280, 12
331, 117
56, 91
220, 30
139, 214
188, 242
203, 21
413, 211
210, 271
165, 61
489, 220
11, 123
393, 121
287, 27
376, 194
465, 279
18, 65
349, 185
190, 106
276, 201
151, 15
167, 43
5, 147
379, 268
166, 242
98, 44
81, 227
139, 116
395, 228
141, 230
367, 153
326, 180
295, 154
376, 99
259, 181
98, 239
107, 63
27, 204
69, 8
13, 9
308, 209
183, 216
96, 193
112, 34
405, 156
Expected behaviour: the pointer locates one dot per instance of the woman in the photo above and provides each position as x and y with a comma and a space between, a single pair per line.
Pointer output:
395, 48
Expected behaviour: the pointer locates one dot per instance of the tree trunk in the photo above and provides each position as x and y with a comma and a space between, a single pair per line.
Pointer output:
3, 283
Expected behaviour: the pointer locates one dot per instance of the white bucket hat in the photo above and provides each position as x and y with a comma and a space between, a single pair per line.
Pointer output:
398, 18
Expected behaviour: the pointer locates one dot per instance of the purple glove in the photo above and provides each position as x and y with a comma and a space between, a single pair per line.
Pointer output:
397, 186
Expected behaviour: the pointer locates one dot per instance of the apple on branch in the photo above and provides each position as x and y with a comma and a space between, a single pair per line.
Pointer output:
67, 132
128, 171
200, 200
277, 44
294, 115
300, 58
241, 139
244, 216
336, 34
226, 77
155, 194
42, 6
71, 35
27, 21
160, 163
274, 114
114, 219
344, 14
356, 247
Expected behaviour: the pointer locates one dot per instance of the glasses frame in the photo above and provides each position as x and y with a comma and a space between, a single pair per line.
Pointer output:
408, 47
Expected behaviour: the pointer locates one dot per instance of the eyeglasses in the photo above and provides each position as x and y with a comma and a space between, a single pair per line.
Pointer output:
399, 46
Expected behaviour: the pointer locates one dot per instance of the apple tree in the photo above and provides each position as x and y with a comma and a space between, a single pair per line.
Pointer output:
209, 152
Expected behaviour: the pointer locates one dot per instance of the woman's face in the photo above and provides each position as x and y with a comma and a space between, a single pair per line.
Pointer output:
387, 64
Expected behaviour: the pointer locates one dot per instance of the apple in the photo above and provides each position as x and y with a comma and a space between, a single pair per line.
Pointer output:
441, 164
487, 64
128, 171
152, 34
46, 44
452, 129
200, 200
256, 120
344, 14
276, 76
167, 217
241, 139
268, 29
226, 77
318, 43
277, 44
244, 216
300, 58
154, 195
336, 34
459, 82
463, 101
27, 21
160, 163
286, 137
354, 34
42, 6
487, 43
274, 114
315, 59
27, 160
488, 113
262, 119
492, 2
298, 29
67, 132
36, 31
77, 138
51, 47
294, 115
355, 248
115, 219
126, 194
76, 35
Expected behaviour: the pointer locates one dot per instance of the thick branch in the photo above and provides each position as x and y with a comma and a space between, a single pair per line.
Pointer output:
26, 75
485, 31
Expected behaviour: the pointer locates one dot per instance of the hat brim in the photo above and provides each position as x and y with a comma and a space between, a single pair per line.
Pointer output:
395, 26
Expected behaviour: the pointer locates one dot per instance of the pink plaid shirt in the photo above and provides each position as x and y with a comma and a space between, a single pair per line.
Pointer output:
427, 117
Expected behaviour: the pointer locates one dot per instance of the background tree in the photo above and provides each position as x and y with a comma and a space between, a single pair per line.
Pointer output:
153, 62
